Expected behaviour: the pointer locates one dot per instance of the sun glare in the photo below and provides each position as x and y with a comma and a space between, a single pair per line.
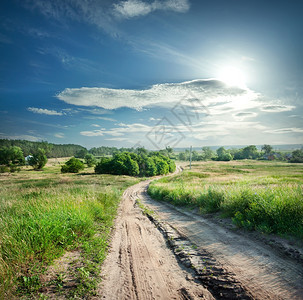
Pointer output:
233, 77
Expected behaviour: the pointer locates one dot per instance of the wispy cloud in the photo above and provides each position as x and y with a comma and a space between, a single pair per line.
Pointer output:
135, 8
243, 115
277, 108
20, 137
162, 95
286, 130
44, 111
59, 135
92, 133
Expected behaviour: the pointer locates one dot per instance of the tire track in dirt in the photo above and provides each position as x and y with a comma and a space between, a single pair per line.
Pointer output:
139, 264
264, 272
227, 265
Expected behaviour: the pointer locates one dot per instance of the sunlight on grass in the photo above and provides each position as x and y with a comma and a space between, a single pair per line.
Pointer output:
43, 214
265, 196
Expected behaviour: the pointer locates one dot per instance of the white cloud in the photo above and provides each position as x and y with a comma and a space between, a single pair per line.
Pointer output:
59, 135
277, 108
132, 8
117, 139
286, 130
20, 137
243, 115
92, 133
95, 125
135, 8
44, 111
154, 119
208, 92
107, 119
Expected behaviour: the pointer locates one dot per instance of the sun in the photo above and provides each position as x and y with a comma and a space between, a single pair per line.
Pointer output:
232, 77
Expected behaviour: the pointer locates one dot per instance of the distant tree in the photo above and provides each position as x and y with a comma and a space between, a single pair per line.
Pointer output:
250, 152
267, 149
73, 165
90, 160
141, 150
207, 153
297, 156
182, 156
223, 154
38, 160
133, 164
81, 153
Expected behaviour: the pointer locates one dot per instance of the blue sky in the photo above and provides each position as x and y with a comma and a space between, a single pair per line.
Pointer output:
152, 73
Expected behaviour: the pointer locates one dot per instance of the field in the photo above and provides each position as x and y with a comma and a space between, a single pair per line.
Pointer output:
44, 214
263, 196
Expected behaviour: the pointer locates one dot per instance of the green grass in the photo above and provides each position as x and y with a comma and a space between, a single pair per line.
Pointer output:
264, 196
45, 213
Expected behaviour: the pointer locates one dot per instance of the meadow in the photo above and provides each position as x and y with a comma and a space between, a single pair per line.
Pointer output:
257, 195
44, 214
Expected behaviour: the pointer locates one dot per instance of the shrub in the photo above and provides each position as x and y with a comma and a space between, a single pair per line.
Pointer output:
132, 164
297, 156
38, 160
74, 165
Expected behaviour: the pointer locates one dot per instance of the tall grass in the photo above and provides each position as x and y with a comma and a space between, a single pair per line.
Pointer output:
40, 219
264, 200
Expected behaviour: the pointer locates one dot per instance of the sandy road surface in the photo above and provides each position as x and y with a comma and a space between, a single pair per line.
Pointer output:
141, 266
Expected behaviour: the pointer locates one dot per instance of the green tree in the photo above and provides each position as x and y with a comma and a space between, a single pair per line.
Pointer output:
73, 165
90, 160
223, 154
38, 160
207, 153
250, 152
267, 149
81, 153
151, 169
297, 156
182, 156
11, 156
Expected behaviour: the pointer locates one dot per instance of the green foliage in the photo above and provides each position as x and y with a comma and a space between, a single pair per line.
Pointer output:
51, 150
40, 221
81, 153
90, 160
297, 156
267, 149
73, 165
269, 203
223, 154
207, 153
11, 156
38, 160
133, 164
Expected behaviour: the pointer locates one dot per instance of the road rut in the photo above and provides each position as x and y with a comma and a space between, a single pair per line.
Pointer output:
141, 266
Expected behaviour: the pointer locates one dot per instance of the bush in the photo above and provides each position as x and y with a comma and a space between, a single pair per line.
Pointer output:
38, 160
132, 164
297, 156
74, 165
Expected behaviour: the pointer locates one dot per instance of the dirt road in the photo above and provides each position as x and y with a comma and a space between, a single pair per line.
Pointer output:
206, 261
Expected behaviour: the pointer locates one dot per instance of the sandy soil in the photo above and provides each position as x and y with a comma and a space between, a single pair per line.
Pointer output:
139, 264
227, 264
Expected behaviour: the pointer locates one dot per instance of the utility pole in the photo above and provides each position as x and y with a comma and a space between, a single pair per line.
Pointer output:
191, 147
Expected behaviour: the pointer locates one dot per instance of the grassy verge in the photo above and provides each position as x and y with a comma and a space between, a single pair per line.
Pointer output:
264, 196
43, 215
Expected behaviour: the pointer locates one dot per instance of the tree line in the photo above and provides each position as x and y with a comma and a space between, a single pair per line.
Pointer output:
248, 152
